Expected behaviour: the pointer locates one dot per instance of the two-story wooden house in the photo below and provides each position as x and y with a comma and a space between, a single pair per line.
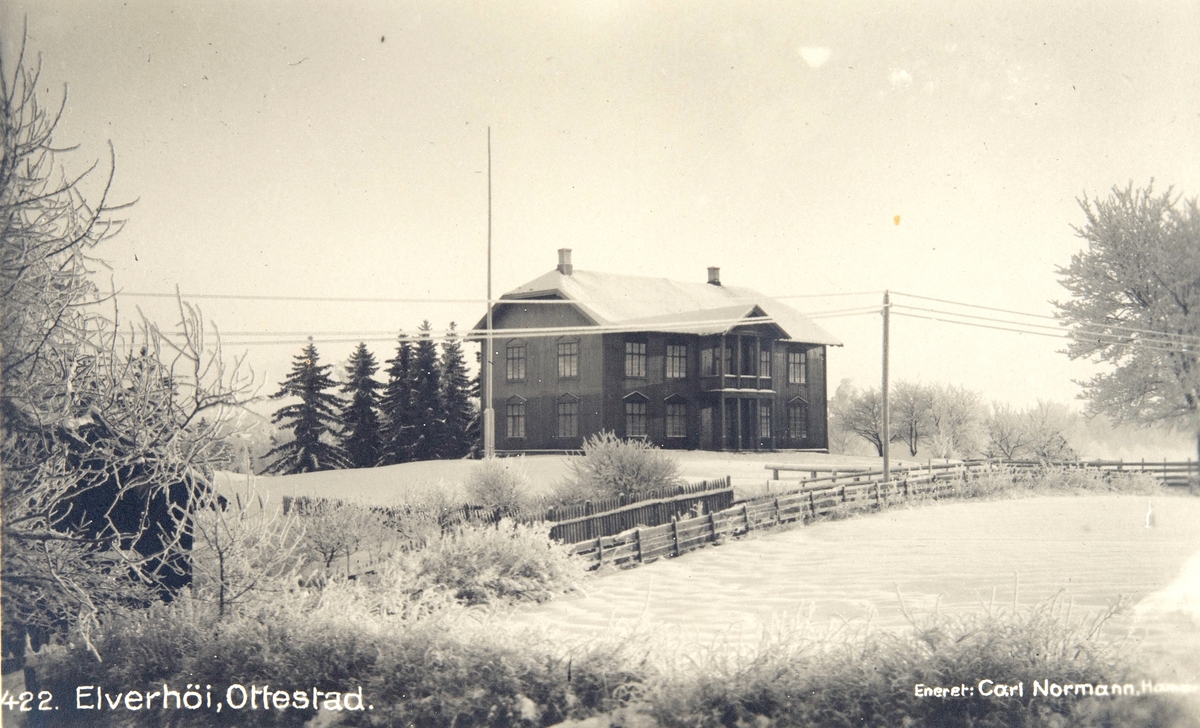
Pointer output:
685, 365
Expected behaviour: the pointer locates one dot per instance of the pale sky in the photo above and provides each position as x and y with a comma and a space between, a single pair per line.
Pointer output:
339, 149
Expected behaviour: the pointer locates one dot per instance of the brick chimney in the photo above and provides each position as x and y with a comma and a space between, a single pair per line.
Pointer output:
714, 276
564, 261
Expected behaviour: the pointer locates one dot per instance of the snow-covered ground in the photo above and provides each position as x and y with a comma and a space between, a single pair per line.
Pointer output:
397, 483
957, 556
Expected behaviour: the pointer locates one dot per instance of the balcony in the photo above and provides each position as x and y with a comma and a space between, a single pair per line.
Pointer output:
730, 382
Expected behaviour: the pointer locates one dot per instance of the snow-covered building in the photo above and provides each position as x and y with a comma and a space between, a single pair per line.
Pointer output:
685, 365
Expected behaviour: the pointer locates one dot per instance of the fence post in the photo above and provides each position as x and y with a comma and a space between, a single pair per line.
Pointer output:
600, 549
843, 494
777, 516
712, 526
812, 504
637, 536
675, 534
877, 495
746, 515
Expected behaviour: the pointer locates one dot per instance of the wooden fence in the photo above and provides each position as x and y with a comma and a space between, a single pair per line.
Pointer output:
601, 505
602, 517
817, 497
645, 513
1178, 473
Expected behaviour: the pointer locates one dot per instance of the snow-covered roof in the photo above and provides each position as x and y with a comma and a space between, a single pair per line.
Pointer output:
659, 304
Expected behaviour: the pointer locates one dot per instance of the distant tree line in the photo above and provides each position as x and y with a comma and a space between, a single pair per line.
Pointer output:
422, 411
947, 421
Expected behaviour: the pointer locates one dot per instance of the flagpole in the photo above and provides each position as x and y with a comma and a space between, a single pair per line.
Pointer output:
489, 415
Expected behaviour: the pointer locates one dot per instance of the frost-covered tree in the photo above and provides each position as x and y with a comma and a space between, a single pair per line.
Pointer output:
861, 413
428, 419
107, 439
1135, 306
361, 438
396, 408
957, 417
909, 417
456, 399
313, 420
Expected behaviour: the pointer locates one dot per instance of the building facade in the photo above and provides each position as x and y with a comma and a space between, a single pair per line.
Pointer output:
683, 365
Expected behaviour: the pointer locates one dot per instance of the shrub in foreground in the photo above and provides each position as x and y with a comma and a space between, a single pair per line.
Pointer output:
611, 466
870, 679
456, 666
505, 562
499, 483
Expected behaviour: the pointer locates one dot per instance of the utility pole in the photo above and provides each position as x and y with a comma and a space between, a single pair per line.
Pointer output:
885, 436
489, 415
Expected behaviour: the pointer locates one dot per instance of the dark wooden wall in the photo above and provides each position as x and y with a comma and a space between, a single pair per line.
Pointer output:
601, 386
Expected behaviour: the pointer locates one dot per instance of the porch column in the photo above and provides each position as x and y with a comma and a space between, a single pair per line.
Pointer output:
721, 407
739, 422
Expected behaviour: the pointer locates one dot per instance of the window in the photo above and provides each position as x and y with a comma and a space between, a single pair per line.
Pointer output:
749, 356
568, 359
515, 415
764, 362
635, 359
730, 361
568, 417
514, 359
798, 419
635, 418
676, 361
764, 419
676, 419
797, 367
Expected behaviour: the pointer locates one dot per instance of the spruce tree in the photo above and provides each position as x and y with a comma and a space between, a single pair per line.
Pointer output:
456, 399
361, 437
475, 428
395, 407
313, 420
428, 419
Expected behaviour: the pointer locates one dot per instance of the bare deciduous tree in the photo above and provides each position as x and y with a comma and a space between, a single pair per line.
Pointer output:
107, 435
909, 418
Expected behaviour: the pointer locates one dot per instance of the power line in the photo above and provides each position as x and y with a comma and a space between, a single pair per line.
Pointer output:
1111, 326
315, 299
1064, 335
480, 301
1162, 338
975, 305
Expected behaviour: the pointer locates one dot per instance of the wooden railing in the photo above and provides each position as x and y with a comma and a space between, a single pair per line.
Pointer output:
1170, 473
644, 513
806, 503
602, 505
816, 497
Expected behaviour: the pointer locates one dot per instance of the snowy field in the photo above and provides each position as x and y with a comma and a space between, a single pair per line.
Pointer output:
957, 556
396, 484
